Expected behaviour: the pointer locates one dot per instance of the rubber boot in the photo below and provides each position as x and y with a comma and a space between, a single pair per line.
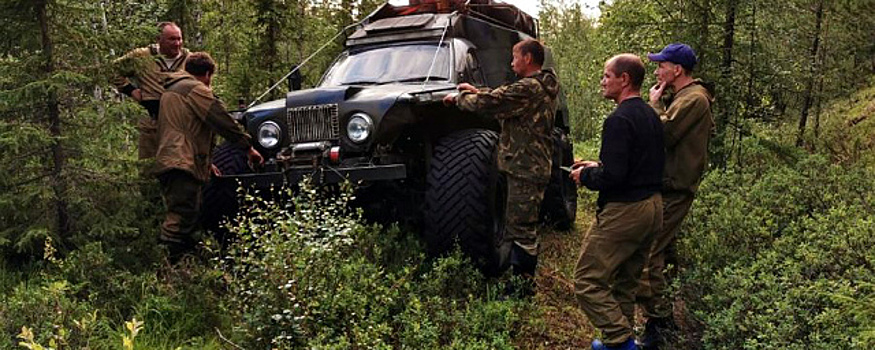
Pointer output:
629, 344
524, 266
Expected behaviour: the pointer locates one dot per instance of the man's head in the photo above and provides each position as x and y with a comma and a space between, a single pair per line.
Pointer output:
622, 77
675, 61
528, 57
201, 66
169, 39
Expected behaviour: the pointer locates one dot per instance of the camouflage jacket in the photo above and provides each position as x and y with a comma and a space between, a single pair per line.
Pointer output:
526, 110
189, 119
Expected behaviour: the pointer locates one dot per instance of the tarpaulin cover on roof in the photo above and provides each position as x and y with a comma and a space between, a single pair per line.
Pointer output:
489, 10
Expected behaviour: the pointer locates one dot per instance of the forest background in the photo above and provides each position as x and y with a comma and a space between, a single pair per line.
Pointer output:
778, 253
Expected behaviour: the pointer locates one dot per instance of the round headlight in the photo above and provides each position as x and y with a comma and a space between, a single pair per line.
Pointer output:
269, 134
359, 128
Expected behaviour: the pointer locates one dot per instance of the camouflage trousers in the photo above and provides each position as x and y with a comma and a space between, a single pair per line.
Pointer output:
182, 199
652, 288
610, 263
523, 204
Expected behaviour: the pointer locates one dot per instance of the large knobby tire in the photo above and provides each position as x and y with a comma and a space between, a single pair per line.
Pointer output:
559, 207
220, 194
465, 199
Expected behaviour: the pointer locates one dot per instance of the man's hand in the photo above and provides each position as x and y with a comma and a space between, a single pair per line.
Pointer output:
137, 95
467, 87
254, 157
215, 170
450, 100
656, 92
578, 167
578, 164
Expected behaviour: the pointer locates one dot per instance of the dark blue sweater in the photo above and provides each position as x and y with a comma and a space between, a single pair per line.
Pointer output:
632, 155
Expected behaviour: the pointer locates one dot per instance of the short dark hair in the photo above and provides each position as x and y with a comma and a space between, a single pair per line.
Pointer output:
630, 64
199, 64
162, 25
533, 47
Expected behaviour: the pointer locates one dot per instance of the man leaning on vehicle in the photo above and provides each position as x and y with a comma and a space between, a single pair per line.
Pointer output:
526, 110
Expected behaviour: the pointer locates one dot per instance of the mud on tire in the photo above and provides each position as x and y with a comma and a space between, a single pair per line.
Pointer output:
464, 201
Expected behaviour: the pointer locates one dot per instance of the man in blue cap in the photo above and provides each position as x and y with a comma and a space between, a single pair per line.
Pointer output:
684, 107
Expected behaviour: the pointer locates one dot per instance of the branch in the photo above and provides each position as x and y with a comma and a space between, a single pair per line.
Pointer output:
226, 340
28, 181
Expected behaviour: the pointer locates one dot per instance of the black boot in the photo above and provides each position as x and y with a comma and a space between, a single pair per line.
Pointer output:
524, 266
657, 332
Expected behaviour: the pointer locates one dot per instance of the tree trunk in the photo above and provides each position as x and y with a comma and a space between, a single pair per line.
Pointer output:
725, 97
59, 183
813, 72
704, 34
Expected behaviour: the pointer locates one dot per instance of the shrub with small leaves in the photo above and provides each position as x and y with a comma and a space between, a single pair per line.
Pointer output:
310, 273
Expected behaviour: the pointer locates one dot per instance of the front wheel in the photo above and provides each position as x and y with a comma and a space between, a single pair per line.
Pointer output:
465, 199
220, 194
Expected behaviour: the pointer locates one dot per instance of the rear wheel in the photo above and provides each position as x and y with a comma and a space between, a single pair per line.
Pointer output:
465, 199
559, 207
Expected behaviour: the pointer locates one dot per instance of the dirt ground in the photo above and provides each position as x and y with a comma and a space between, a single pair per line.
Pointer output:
554, 320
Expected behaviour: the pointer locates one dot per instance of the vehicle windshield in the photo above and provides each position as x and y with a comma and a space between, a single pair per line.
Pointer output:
404, 63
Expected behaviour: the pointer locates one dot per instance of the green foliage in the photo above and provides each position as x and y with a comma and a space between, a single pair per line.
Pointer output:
310, 273
771, 245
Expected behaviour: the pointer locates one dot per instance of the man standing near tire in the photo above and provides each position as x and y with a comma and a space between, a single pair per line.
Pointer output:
629, 214
141, 76
525, 109
189, 118
686, 116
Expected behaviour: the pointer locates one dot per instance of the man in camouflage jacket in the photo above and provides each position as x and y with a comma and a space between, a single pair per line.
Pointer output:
188, 121
141, 75
525, 109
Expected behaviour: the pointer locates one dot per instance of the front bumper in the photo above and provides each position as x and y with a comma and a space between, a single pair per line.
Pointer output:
321, 175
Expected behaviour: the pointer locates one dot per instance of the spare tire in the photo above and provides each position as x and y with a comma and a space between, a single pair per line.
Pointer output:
465, 199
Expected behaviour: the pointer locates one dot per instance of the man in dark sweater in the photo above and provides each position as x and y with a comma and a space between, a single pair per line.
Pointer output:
629, 214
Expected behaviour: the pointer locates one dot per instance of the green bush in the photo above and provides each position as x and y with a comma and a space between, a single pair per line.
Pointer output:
311, 273
775, 251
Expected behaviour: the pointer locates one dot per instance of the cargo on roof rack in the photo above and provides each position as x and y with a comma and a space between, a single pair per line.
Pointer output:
488, 10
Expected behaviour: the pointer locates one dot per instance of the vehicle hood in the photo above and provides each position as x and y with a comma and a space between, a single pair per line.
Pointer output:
375, 100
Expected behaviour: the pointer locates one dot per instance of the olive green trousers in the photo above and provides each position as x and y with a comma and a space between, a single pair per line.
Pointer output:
653, 286
610, 264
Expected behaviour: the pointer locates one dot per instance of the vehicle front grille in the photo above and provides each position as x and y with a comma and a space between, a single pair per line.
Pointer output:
313, 123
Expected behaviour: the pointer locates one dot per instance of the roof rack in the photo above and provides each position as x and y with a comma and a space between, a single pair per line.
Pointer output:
488, 10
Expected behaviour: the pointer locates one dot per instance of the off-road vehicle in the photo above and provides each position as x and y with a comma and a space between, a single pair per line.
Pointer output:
377, 118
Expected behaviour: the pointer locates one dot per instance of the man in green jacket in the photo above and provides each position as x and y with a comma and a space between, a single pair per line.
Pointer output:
525, 109
684, 106
141, 76
188, 121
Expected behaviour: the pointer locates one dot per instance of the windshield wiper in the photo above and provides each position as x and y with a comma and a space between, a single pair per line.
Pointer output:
422, 78
363, 82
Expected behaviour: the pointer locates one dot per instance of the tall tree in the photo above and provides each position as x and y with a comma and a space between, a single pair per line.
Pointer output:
813, 71
59, 158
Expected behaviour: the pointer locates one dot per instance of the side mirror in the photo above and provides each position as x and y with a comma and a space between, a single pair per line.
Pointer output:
294, 80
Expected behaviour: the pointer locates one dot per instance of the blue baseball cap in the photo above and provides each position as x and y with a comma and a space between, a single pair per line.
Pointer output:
676, 53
